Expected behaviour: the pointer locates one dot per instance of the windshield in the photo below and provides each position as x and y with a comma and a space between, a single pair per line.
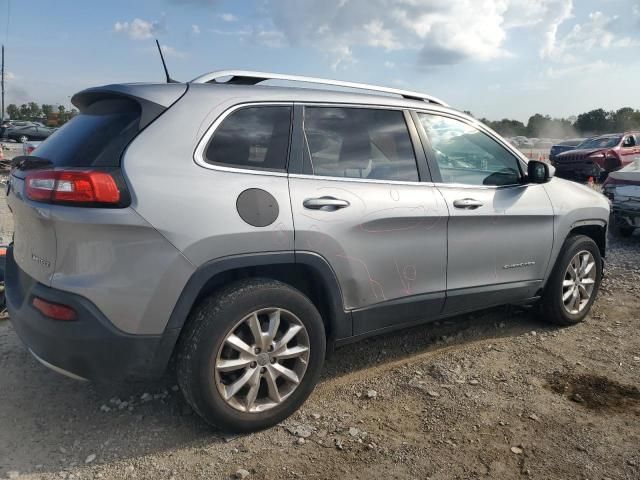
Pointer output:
600, 142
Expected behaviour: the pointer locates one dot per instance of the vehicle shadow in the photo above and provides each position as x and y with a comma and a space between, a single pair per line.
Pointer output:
51, 423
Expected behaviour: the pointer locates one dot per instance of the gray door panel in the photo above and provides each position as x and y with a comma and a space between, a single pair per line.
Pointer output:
389, 242
507, 239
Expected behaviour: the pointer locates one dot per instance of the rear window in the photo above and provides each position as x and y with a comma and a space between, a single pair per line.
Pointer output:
95, 138
252, 137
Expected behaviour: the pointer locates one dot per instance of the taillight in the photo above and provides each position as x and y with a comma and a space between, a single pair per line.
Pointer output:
30, 150
72, 186
56, 311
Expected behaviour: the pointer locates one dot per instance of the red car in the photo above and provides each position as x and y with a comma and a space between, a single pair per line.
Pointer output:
598, 156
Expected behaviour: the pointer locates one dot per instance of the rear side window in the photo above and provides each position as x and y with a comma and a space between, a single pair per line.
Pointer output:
252, 137
95, 138
359, 143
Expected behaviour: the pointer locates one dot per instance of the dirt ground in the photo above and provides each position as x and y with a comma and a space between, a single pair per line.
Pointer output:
498, 394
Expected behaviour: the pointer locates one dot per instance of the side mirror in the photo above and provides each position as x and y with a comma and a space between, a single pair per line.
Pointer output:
539, 172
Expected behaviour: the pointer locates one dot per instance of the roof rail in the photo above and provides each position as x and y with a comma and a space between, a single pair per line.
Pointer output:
242, 77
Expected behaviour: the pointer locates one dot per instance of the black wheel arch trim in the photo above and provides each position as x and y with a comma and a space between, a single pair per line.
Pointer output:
340, 324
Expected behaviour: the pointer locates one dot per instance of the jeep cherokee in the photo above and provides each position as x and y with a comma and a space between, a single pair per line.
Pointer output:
237, 230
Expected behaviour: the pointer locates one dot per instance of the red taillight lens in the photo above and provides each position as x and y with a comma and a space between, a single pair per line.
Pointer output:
30, 150
74, 186
55, 311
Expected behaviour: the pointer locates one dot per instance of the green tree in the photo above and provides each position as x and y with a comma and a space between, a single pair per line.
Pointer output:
594, 122
34, 110
61, 110
24, 111
47, 109
13, 111
624, 119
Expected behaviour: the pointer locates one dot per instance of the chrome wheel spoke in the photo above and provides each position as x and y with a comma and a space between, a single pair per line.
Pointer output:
272, 387
292, 352
568, 294
235, 387
240, 345
229, 365
286, 373
588, 281
274, 324
567, 283
256, 330
287, 337
252, 394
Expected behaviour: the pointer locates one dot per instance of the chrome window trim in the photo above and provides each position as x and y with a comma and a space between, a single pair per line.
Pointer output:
199, 157
357, 180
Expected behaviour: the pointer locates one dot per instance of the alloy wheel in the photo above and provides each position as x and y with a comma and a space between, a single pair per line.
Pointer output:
262, 360
579, 282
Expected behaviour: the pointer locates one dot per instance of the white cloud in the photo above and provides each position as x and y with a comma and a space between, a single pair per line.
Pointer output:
600, 31
577, 69
195, 29
139, 29
228, 17
442, 31
170, 51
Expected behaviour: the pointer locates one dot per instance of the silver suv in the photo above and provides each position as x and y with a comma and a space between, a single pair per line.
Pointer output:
238, 230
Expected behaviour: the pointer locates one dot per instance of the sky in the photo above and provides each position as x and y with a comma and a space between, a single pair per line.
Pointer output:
498, 59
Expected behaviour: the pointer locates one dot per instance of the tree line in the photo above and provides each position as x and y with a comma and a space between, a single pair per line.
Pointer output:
594, 122
32, 111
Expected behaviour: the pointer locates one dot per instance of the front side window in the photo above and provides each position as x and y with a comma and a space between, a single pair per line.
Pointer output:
629, 141
361, 143
466, 155
252, 137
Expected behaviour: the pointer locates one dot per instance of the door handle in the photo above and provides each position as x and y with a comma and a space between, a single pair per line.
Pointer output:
327, 204
467, 203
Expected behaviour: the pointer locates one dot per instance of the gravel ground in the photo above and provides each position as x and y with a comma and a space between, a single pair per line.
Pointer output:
498, 394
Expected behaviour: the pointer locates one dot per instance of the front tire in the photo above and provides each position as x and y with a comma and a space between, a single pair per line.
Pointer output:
23, 139
574, 282
251, 355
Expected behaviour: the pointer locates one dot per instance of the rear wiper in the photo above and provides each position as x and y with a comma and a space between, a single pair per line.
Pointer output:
29, 162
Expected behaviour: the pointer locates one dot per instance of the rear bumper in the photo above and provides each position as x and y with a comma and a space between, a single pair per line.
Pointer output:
87, 348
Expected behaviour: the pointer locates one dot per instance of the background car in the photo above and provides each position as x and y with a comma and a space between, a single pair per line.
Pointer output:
30, 132
597, 157
623, 189
564, 146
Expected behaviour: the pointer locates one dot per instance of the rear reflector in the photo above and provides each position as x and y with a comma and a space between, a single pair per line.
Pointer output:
73, 186
55, 311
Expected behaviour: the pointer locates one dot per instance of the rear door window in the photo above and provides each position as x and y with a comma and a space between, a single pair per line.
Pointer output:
252, 137
96, 137
361, 143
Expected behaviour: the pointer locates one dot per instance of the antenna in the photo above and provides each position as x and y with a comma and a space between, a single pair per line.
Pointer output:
166, 72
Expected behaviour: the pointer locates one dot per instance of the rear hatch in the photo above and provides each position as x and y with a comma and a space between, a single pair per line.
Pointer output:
86, 150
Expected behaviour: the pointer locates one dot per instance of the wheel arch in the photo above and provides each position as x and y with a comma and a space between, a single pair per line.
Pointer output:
596, 231
308, 272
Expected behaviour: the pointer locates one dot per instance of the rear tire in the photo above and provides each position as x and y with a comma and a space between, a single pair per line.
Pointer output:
571, 291
23, 139
237, 366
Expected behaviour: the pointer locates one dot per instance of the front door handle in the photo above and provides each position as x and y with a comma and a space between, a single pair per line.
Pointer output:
467, 203
327, 204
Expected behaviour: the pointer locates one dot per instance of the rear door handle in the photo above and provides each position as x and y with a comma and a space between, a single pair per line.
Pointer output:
467, 203
327, 204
